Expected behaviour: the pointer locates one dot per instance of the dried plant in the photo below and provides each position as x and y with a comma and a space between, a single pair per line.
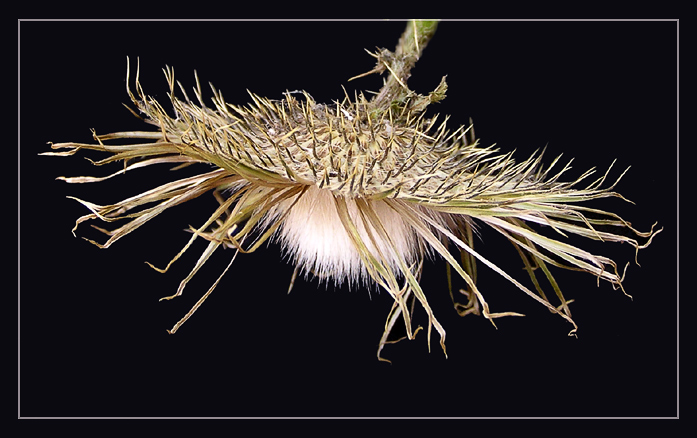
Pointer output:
360, 190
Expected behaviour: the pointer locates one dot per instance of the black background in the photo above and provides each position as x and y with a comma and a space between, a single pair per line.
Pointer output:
93, 339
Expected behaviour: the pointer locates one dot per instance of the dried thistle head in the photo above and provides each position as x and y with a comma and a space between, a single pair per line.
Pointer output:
360, 191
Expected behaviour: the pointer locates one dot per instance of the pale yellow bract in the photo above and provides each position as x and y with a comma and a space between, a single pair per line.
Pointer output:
360, 190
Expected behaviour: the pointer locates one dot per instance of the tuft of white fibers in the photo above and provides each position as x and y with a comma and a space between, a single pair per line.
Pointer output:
313, 235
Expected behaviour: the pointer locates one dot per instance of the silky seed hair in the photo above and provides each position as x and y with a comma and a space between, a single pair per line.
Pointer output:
360, 192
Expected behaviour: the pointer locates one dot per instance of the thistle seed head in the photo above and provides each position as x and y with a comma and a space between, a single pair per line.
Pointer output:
359, 193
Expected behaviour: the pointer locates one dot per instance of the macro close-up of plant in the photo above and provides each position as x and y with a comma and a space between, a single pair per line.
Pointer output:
362, 191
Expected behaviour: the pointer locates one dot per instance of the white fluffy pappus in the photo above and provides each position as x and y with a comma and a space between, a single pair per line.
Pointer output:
317, 242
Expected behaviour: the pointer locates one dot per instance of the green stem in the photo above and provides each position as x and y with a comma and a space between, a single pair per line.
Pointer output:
399, 64
415, 38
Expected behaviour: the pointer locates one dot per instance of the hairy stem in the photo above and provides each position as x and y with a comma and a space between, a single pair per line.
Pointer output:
399, 64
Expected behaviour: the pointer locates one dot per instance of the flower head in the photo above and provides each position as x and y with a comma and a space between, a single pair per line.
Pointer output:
360, 191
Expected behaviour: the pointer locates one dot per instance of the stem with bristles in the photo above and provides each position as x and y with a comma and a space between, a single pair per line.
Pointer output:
399, 64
